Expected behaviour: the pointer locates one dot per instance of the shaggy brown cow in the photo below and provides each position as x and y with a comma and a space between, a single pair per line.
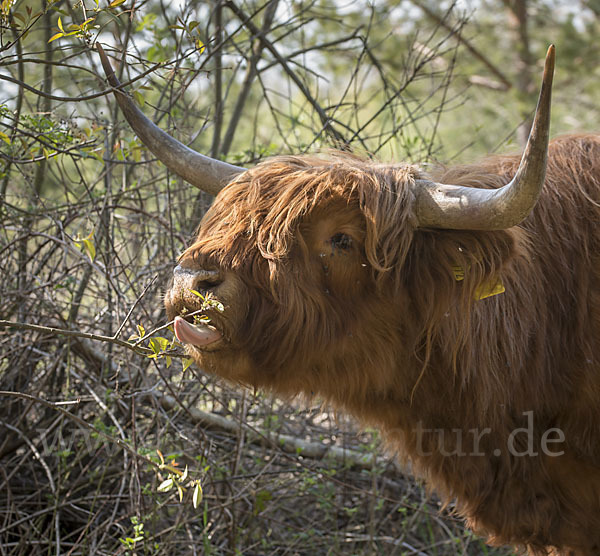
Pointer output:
378, 288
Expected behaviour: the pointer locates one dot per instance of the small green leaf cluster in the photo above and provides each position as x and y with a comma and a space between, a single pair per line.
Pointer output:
164, 347
138, 534
81, 30
159, 345
5, 7
51, 135
208, 302
86, 245
179, 480
190, 30
132, 148
9, 16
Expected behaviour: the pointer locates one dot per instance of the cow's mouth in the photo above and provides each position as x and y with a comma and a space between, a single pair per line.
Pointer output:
199, 334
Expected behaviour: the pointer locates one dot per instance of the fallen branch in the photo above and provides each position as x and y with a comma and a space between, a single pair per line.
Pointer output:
287, 443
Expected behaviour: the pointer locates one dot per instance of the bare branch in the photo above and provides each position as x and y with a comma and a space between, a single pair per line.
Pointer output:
285, 442
325, 120
75, 334
441, 21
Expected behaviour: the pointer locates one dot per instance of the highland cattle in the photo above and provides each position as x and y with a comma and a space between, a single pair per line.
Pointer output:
458, 311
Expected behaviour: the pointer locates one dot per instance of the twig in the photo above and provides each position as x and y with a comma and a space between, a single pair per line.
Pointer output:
466, 43
61, 331
80, 421
325, 120
116, 334
256, 52
43, 463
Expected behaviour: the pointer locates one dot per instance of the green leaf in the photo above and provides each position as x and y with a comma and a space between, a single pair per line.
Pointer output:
153, 345
139, 98
197, 497
166, 486
86, 244
116, 3
5, 138
158, 344
261, 500
90, 249
187, 363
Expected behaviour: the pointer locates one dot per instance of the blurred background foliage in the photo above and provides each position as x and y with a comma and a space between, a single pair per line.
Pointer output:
90, 226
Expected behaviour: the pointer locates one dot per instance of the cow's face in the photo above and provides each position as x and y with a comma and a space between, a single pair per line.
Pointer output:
292, 262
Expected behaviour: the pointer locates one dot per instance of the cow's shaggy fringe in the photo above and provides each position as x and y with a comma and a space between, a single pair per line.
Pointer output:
389, 334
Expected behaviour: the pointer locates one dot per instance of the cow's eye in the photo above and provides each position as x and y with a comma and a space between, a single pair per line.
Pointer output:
341, 241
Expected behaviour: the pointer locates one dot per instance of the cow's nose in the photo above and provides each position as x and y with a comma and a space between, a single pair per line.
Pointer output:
198, 279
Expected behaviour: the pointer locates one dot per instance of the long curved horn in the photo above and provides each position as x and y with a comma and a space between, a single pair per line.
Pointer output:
456, 207
201, 171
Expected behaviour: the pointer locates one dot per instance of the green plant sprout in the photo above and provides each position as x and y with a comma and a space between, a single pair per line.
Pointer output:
176, 478
138, 534
163, 347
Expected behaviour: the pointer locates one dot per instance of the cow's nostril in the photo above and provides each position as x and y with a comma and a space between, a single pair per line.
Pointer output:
196, 279
206, 284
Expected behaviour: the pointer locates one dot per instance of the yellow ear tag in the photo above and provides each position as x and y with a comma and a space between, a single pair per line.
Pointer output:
459, 273
487, 289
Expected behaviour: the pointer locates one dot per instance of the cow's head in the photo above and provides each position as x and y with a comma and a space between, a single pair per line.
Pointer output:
300, 254
290, 280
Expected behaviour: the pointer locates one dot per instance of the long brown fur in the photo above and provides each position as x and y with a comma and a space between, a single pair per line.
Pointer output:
385, 331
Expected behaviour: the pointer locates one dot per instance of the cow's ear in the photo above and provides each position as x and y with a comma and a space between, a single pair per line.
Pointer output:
468, 264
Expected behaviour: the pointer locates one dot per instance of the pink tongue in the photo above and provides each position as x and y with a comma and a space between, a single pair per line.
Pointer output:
195, 334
